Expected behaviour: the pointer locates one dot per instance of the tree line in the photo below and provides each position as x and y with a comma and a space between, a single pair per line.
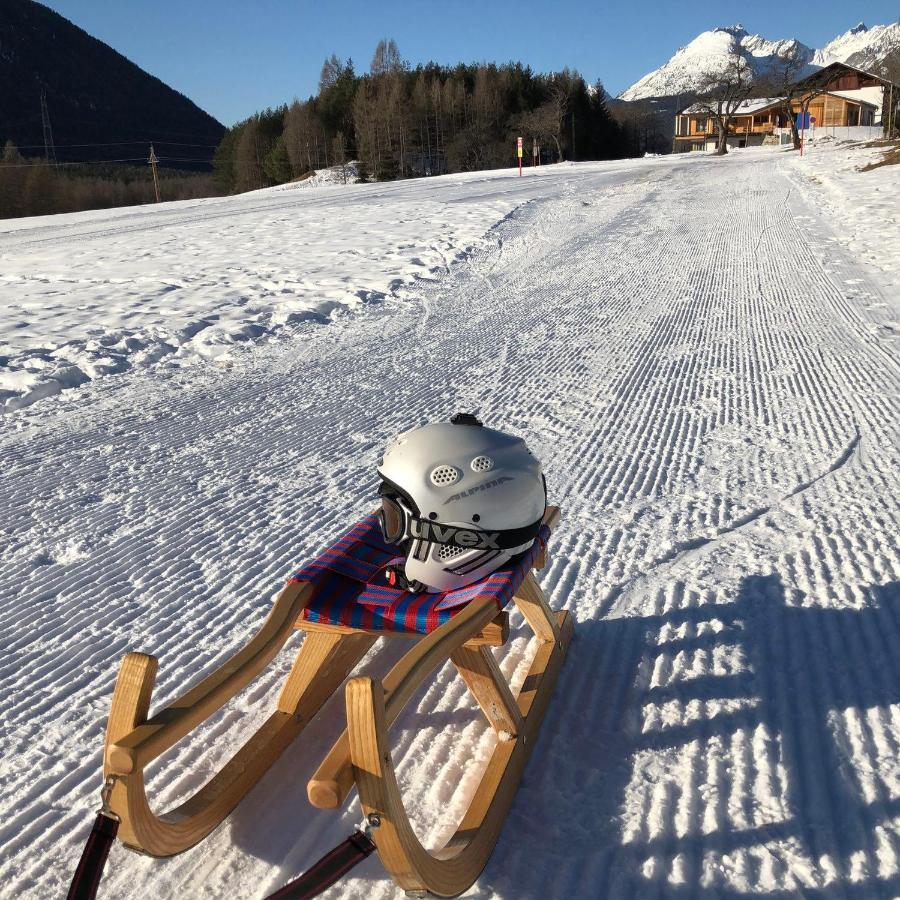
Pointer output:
401, 122
37, 187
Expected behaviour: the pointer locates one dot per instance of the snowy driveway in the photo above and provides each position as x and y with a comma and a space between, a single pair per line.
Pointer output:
708, 377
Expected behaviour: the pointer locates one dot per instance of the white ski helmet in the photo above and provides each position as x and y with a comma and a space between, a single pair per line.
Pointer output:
460, 500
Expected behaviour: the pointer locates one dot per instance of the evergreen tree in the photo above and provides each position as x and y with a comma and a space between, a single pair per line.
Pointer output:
399, 122
277, 165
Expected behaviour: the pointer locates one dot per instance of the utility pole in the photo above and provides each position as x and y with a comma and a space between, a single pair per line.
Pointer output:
891, 114
49, 149
153, 161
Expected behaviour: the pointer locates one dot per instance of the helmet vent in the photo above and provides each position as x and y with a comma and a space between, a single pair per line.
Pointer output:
448, 551
482, 464
444, 475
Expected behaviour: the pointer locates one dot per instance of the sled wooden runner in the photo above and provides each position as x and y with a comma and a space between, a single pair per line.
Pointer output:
372, 706
328, 654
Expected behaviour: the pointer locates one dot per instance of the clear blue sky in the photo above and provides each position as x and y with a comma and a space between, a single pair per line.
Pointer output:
234, 57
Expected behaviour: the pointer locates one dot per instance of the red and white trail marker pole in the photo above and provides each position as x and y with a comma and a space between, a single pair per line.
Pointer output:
519, 151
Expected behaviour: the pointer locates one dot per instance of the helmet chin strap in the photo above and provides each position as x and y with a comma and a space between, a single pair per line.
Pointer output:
396, 578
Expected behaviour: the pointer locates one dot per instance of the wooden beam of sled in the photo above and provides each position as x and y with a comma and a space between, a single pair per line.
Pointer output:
323, 662
452, 870
494, 634
156, 735
333, 780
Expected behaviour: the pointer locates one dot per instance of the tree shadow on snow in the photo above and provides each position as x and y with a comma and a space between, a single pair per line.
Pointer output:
805, 671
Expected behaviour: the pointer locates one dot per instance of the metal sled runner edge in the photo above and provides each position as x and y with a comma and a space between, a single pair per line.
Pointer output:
361, 756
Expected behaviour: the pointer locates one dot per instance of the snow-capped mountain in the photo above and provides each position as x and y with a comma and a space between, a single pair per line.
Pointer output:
861, 46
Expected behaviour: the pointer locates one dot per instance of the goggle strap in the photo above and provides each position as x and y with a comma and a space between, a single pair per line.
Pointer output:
471, 538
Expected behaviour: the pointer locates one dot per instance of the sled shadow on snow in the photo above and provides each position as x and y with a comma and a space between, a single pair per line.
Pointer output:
802, 667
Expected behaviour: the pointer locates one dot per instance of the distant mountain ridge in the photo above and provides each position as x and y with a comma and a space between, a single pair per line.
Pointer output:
860, 46
94, 95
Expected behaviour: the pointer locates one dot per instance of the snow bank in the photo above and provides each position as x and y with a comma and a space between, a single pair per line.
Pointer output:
863, 202
334, 175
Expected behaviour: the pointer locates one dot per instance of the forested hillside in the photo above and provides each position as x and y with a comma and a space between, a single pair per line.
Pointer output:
400, 122
94, 96
102, 113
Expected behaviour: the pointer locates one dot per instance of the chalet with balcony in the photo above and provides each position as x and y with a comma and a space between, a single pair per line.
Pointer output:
762, 121
754, 120
836, 96
840, 95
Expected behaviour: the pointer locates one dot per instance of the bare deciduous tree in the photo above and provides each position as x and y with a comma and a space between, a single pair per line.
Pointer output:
332, 69
386, 58
784, 81
559, 102
339, 153
543, 123
300, 138
721, 91
547, 120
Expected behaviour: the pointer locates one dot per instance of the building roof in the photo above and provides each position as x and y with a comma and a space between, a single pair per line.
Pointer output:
819, 78
745, 108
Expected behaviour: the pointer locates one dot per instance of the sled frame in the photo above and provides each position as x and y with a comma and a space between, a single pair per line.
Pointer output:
327, 655
361, 755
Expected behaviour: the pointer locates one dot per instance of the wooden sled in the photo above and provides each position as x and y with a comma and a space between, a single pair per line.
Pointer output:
330, 650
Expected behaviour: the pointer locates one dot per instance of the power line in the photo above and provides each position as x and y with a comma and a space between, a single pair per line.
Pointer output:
67, 121
116, 144
83, 162
182, 158
93, 162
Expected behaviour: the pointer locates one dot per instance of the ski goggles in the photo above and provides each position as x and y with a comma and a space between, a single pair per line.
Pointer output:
393, 517
399, 524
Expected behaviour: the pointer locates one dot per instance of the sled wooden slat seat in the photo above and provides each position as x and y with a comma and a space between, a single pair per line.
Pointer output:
341, 604
350, 588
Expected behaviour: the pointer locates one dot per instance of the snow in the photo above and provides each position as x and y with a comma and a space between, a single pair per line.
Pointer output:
90, 294
745, 107
864, 202
703, 355
861, 46
334, 175
708, 52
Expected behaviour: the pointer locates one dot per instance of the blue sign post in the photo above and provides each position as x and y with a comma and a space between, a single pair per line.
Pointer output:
802, 125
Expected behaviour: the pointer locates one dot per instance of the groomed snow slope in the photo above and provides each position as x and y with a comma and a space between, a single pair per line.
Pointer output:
709, 377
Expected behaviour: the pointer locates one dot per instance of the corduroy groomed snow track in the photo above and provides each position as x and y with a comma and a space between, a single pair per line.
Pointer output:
709, 379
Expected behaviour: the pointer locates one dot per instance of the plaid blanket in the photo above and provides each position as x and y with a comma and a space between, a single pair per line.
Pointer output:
351, 589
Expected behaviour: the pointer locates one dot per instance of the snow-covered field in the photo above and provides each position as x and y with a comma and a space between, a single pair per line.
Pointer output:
865, 204
91, 294
705, 361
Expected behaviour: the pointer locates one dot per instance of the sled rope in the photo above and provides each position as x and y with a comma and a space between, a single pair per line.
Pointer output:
333, 866
87, 876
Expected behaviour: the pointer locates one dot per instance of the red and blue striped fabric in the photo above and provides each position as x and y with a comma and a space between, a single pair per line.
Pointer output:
351, 589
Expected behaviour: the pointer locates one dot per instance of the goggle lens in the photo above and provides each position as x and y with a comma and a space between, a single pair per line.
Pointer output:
392, 520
